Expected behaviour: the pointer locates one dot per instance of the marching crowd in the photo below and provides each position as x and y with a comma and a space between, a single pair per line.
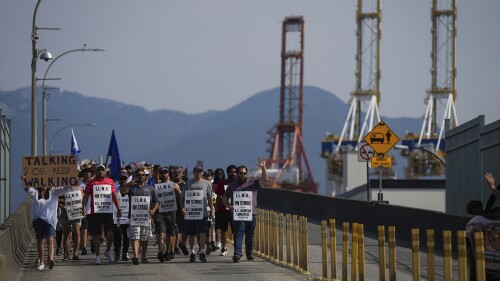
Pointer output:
147, 200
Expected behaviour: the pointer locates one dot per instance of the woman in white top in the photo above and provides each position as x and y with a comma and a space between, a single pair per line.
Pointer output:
44, 215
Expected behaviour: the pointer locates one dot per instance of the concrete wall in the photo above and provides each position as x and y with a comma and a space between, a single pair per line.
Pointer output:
371, 215
15, 237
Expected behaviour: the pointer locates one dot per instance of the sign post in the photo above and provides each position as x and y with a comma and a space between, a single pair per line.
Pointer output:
381, 139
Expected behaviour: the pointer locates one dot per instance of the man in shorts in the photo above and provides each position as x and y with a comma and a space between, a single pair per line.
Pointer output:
194, 226
165, 220
140, 232
101, 189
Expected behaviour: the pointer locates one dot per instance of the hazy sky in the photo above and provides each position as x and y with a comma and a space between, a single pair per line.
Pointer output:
198, 55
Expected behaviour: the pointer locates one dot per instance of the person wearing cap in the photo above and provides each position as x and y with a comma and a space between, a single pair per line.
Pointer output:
121, 240
243, 227
175, 174
101, 211
165, 220
195, 225
140, 233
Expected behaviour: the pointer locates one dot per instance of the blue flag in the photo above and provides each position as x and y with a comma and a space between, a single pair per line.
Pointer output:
75, 150
114, 153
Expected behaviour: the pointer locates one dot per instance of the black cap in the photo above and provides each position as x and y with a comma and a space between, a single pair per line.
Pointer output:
197, 168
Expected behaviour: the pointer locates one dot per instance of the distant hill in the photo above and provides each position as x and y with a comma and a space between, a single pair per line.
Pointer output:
219, 138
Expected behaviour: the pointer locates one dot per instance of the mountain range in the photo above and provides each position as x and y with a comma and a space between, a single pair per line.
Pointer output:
167, 137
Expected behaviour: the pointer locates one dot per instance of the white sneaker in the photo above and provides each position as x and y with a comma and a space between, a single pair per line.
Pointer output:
97, 260
40, 266
110, 256
219, 245
223, 252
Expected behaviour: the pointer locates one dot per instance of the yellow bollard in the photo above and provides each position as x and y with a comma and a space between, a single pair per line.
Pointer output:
361, 251
392, 253
381, 252
288, 239
256, 242
479, 253
333, 250
345, 250
324, 250
462, 256
266, 233
354, 256
447, 255
295, 239
303, 244
280, 237
431, 268
415, 253
273, 237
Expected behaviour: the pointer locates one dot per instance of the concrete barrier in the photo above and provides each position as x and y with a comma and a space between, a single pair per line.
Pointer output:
15, 237
370, 215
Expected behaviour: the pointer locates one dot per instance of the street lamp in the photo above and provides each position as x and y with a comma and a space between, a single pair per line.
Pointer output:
45, 55
409, 148
46, 94
65, 127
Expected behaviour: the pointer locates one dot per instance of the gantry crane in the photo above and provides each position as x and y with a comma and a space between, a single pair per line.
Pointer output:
440, 97
289, 167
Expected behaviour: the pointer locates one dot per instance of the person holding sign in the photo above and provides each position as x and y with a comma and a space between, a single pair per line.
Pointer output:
143, 202
102, 193
197, 195
243, 193
70, 220
223, 214
44, 215
165, 217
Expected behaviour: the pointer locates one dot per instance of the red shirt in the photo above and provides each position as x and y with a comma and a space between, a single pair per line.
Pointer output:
89, 189
220, 190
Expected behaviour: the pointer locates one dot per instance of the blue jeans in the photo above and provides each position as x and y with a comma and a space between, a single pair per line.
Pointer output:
246, 228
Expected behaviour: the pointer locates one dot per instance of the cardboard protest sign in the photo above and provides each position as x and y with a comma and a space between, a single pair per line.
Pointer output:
242, 206
74, 204
139, 210
194, 204
47, 171
166, 197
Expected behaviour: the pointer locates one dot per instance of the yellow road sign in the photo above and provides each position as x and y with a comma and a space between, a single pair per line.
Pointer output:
381, 138
384, 162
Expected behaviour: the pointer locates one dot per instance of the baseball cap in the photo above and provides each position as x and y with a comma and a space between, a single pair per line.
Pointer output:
100, 166
197, 168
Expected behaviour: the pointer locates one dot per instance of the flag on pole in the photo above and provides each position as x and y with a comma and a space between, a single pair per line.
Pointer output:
114, 153
75, 150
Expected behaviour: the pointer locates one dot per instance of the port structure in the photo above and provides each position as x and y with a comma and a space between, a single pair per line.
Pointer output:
441, 96
287, 154
363, 112
366, 96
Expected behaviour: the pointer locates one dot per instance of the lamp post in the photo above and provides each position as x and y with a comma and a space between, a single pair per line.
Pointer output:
65, 127
46, 94
405, 147
45, 55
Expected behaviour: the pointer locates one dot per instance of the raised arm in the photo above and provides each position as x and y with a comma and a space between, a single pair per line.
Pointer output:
263, 178
491, 183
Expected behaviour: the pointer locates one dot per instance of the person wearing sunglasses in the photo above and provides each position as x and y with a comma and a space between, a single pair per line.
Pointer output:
139, 228
244, 192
